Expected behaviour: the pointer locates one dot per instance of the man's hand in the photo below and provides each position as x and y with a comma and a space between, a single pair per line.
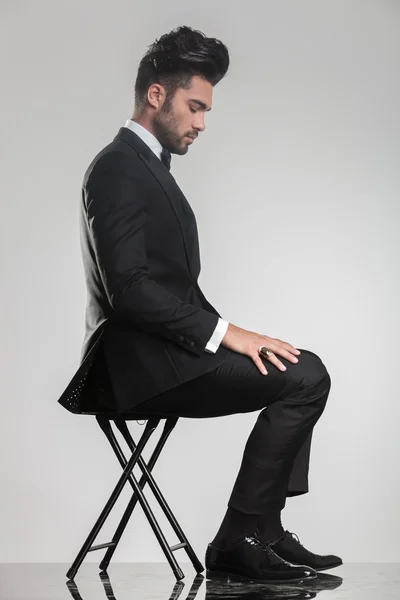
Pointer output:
248, 342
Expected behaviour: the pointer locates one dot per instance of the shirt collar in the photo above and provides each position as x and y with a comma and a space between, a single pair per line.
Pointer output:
146, 136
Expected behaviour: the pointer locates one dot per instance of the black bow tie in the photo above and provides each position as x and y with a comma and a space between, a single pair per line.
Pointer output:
166, 158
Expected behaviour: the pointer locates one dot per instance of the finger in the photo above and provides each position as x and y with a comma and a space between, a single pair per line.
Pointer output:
259, 363
288, 346
281, 350
275, 361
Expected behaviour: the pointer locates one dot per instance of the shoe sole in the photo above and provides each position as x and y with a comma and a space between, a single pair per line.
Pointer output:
330, 567
236, 577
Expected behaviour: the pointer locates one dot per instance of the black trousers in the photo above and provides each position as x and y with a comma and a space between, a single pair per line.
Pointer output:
276, 456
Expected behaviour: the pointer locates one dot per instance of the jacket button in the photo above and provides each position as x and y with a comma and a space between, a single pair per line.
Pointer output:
191, 344
181, 338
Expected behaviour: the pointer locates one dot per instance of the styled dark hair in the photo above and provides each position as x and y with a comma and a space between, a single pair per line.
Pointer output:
175, 58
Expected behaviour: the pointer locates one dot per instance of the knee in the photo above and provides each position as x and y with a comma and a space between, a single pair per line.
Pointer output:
315, 380
312, 371
320, 392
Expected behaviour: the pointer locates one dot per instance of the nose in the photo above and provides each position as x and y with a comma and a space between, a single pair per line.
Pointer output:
199, 124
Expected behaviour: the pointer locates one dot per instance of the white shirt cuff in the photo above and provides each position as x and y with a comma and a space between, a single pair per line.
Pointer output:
216, 338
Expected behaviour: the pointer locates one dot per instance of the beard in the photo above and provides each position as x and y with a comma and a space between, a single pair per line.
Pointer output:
165, 128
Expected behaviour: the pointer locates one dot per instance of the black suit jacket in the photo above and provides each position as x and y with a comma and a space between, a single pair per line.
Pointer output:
147, 321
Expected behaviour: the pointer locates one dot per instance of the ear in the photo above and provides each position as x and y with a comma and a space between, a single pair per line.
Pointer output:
156, 95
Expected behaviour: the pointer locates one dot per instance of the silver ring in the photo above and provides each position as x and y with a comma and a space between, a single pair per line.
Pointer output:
264, 350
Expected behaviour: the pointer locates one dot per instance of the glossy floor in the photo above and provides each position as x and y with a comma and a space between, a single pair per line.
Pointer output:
154, 581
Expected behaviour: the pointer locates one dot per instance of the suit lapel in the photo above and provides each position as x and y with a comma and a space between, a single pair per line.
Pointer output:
180, 206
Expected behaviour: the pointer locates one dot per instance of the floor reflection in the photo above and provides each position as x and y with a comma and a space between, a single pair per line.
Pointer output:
229, 590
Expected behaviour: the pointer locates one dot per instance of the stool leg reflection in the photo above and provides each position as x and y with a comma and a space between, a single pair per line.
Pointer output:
105, 580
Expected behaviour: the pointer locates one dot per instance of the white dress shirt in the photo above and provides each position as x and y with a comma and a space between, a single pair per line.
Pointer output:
153, 143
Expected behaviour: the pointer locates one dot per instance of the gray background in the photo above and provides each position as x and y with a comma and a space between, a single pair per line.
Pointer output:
308, 252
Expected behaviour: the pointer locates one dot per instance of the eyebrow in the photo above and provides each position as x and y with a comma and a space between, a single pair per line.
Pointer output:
200, 103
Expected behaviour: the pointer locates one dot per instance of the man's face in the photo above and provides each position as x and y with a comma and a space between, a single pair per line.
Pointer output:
180, 119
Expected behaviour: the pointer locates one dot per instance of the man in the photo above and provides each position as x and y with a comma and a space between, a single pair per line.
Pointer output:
164, 346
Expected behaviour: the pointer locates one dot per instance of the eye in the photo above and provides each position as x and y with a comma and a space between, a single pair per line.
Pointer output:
193, 110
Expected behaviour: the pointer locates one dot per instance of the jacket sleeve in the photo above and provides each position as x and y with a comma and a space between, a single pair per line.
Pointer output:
116, 215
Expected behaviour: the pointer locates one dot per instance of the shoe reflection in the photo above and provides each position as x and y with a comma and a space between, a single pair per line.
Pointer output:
230, 590
234, 590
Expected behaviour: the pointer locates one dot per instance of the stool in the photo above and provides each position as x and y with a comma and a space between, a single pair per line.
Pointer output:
104, 419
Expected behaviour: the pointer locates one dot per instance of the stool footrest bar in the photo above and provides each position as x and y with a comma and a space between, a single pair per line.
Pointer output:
178, 546
100, 546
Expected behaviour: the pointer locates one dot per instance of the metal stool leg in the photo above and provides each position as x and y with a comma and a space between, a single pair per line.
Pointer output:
169, 425
138, 495
148, 478
87, 546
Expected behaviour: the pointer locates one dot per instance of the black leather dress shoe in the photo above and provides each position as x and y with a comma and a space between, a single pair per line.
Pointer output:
252, 559
289, 548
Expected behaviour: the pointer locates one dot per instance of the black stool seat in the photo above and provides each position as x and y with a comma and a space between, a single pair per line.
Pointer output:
131, 416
